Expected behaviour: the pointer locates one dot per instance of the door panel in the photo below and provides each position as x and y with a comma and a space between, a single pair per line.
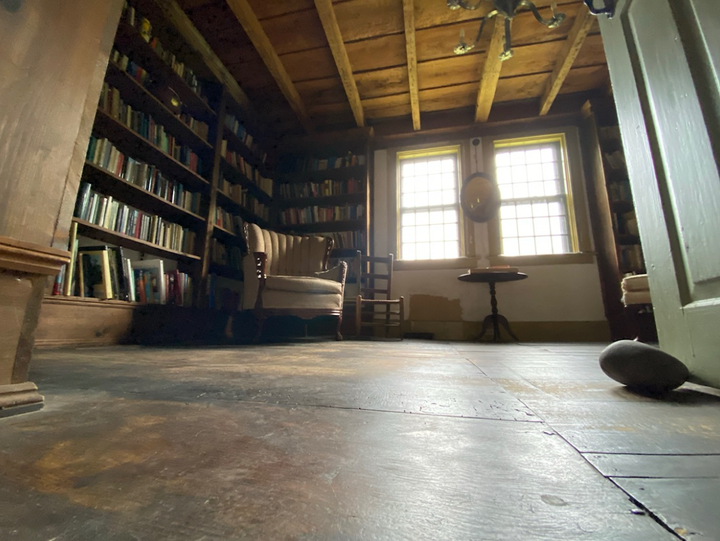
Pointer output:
663, 60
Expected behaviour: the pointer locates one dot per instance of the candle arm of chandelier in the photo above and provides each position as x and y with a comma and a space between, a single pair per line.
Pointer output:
552, 22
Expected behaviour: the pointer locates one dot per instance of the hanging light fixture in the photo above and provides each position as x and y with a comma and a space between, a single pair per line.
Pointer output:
508, 9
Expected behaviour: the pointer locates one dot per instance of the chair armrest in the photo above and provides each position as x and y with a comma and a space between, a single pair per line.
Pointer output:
260, 265
261, 273
336, 274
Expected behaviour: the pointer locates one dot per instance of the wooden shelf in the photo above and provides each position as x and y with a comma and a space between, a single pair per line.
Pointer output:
227, 202
110, 184
227, 236
341, 173
129, 42
88, 229
133, 144
329, 227
239, 146
236, 176
140, 98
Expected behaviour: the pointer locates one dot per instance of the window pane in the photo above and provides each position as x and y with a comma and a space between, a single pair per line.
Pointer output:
509, 228
544, 245
422, 199
510, 247
436, 217
408, 169
452, 250
408, 251
542, 226
422, 250
448, 165
507, 211
408, 218
527, 246
450, 232
524, 211
408, 234
561, 245
451, 216
422, 233
525, 227
502, 159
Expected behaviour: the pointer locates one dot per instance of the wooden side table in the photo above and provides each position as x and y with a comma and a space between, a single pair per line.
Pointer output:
491, 278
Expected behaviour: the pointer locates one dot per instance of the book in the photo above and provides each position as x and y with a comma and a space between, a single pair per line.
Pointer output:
95, 264
152, 272
70, 278
499, 269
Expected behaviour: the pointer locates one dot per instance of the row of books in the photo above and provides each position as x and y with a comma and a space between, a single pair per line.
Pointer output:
309, 215
241, 196
228, 220
252, 173
347, 239
625, 224
235, 126
332, 162
223, 294
616, 160
123, 62
227, 256
144, 125
144, 27
105, 272
631, 258
320, 189
619, 191
106, 212
104, 154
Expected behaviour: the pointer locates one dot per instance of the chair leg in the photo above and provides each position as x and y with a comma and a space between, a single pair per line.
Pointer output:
402, 317
338, 334
358, 314
259, 323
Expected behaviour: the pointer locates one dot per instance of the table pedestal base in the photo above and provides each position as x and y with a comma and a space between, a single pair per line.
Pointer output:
494, 321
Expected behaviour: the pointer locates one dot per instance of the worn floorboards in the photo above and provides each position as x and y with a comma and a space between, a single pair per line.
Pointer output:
355, 440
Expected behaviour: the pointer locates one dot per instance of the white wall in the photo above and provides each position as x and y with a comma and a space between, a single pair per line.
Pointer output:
551, 293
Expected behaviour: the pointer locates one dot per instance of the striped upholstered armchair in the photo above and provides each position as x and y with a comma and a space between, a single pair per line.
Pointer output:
288, 275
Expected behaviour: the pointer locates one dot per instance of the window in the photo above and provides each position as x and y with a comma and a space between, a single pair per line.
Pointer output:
429, 214
535, 214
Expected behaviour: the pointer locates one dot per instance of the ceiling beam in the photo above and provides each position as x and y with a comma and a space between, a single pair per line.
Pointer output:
250, 23
491, 72
337, 46
179, 20
409, 16
568, 54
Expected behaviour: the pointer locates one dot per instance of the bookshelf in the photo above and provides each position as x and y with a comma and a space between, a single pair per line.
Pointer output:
612, 211
173, 168
323, 187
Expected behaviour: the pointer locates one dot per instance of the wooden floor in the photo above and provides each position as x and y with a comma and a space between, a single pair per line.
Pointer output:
355, 440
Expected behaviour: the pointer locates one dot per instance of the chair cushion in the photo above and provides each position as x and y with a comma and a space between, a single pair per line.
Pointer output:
642, 366
639, 282
302, 284
636, 297
290, 300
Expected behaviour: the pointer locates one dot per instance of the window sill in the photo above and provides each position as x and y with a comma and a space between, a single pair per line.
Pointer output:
578, 258
435, 264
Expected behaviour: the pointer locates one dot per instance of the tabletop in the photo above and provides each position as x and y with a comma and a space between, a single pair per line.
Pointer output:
493, 276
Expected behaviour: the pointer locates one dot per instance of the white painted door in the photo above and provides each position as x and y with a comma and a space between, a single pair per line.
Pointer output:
664, 60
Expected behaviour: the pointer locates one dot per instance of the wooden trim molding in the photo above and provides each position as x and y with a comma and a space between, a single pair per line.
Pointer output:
31, 258
19, 394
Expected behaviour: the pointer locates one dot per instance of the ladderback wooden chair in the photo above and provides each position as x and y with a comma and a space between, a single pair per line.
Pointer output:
374, 305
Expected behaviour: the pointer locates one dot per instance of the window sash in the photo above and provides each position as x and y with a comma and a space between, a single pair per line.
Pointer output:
547, 231
426, 241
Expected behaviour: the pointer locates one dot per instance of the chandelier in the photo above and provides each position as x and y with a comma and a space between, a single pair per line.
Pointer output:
508, 9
